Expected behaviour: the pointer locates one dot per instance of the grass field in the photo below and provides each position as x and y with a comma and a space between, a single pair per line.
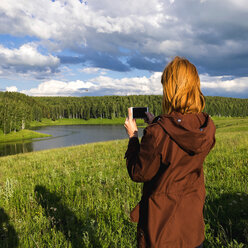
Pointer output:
81, 196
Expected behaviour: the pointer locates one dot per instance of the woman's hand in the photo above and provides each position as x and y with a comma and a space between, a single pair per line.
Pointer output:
150, 118
130, 125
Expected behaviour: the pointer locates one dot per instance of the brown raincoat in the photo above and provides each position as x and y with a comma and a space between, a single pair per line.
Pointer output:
169, 161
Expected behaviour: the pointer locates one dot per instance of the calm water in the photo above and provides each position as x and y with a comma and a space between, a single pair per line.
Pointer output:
67, 136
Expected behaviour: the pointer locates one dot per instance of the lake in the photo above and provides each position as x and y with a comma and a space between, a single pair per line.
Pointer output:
68, 135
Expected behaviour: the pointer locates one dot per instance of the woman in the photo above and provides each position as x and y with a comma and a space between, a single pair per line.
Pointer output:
169, 160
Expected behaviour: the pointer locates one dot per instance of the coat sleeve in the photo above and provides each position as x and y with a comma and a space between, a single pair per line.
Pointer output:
142, 159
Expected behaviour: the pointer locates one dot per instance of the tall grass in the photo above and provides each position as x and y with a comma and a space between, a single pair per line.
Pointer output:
81, 196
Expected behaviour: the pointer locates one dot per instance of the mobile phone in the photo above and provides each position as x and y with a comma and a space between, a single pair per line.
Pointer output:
139, 112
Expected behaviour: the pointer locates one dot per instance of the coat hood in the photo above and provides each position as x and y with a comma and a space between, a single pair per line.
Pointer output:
193, 132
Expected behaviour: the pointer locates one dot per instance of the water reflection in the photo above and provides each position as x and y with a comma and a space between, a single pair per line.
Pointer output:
14, 148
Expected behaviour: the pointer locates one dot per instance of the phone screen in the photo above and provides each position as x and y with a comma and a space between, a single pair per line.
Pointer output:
139, 112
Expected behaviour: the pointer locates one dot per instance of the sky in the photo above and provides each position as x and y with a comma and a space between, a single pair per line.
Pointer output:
114, 47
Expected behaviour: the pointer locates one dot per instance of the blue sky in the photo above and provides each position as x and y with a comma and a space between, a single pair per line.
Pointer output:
79, 48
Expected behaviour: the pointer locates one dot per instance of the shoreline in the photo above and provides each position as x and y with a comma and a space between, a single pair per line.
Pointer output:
103, 121
97, 121
22, 135
28, 134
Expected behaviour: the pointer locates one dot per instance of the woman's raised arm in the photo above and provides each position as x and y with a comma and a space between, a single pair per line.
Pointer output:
142, 159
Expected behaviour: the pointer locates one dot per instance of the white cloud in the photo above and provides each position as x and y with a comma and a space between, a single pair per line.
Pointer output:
59, 19
104, 85
26, 60
59, 88
144, 34
153, 27
92, 70
223, 84
12, 88
26, 55
101, 85
240, 4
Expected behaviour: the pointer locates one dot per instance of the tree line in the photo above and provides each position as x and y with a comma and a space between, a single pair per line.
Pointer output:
17, 110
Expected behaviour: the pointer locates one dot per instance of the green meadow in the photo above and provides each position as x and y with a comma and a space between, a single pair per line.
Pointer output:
81, 196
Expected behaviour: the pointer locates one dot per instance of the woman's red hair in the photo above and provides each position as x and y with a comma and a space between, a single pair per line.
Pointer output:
181, 88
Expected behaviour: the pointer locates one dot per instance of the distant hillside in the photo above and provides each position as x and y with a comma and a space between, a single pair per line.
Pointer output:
17, 110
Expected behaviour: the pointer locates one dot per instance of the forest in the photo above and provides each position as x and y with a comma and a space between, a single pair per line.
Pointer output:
17, 110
